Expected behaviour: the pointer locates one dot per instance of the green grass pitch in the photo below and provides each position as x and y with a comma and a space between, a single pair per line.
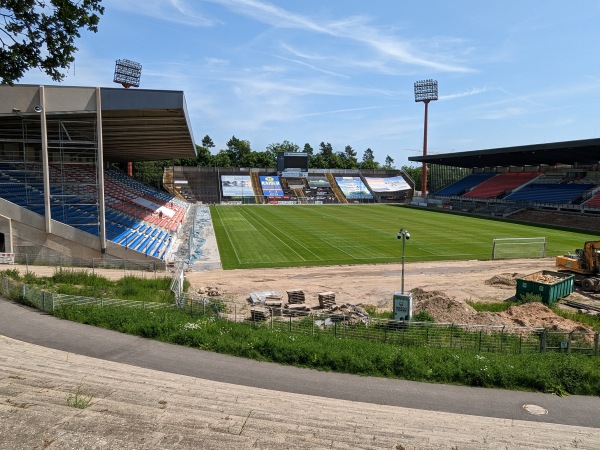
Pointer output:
319, 235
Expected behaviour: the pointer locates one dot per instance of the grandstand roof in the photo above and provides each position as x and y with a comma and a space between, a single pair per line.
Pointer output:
585, 151
137, 124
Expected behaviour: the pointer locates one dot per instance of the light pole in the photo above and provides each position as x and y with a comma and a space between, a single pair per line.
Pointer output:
404, 235
425, 91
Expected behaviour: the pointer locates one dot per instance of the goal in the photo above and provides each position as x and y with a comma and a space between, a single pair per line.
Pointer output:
507, 248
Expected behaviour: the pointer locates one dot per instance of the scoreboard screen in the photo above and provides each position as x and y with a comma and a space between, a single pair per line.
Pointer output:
292, 160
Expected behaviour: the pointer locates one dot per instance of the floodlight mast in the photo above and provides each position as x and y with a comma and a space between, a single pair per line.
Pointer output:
425, 91
127, 73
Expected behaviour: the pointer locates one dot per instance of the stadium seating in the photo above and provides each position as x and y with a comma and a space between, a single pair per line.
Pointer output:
594, 201
73, 194
501, 184
465, 184
549, 193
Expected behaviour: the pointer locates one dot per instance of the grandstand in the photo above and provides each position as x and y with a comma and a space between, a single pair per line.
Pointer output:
558, 178
61, 191
217, 185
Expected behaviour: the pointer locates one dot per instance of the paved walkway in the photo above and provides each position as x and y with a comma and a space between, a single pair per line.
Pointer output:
148, 395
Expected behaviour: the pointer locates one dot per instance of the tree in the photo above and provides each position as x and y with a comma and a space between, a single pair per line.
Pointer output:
239, 151
326, 150
368, 156
285, 147
222, 159
348, 158
38, 33
265, 159
368, 160
308, 149
204, 158
207, 142
389, 162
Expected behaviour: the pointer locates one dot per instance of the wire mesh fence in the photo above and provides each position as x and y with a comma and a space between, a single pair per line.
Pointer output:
479, 338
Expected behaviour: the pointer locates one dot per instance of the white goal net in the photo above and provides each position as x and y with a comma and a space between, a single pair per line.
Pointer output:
507, 248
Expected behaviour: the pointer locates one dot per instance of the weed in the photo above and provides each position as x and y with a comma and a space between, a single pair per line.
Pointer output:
11, 273
80, 399
245, 422
529, 297
423, 316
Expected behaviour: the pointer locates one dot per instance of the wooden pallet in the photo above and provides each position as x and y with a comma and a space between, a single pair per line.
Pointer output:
295, 296
326, 299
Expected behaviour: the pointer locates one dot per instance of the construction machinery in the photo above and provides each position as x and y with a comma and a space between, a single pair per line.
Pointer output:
584, 264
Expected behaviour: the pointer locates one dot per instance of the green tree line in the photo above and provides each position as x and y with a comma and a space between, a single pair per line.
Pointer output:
238, 153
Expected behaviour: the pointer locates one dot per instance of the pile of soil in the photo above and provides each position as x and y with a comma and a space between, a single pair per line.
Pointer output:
504, 280
446, 309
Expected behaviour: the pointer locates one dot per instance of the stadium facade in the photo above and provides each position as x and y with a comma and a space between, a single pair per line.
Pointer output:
55, 146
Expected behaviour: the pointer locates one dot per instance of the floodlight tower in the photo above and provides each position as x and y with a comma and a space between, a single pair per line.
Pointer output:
425, 91
127, 73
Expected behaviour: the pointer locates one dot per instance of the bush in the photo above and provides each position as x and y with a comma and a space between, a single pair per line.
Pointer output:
423, 316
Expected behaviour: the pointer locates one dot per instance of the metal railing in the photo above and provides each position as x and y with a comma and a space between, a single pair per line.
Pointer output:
480, 338
91, 263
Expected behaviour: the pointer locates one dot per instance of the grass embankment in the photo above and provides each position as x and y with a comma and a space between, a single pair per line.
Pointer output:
548, 372
86, 284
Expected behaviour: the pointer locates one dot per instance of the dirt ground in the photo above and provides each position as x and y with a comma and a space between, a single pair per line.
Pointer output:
441, 288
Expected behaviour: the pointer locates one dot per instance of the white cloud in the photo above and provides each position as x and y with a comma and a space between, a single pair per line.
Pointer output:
177, 11
352, 29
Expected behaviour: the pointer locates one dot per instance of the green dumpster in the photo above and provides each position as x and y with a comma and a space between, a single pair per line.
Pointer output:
550, 285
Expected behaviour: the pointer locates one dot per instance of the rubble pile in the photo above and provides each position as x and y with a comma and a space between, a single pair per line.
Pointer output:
542, 278
210, 291
349, 313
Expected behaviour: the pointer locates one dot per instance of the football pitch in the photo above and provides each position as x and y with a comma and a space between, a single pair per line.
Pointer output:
254, 236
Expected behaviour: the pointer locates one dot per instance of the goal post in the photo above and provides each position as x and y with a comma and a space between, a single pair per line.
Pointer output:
507, 248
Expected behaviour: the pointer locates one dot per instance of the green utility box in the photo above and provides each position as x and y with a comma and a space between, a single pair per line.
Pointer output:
550, 285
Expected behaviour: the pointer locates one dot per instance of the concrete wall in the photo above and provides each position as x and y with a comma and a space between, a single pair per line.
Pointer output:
58, 99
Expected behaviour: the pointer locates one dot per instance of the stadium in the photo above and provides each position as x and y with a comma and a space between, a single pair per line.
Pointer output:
67, 193
68, 198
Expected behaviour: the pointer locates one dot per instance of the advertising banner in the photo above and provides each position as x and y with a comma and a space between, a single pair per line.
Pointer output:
271, 186
236, 186
317, 182
353, 187
391, 184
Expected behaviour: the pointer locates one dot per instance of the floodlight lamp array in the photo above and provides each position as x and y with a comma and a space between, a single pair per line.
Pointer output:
127, 73
426, 90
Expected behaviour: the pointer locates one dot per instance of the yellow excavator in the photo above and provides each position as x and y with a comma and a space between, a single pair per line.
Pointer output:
584, 264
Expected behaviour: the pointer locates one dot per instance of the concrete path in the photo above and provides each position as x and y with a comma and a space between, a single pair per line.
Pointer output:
152, 395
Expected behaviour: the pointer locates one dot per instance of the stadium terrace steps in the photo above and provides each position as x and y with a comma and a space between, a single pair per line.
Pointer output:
500, 184
549, 193
594, 201
463, 185
72, 186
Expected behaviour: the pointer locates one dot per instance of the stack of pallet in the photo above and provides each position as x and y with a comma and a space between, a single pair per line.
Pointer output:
260, 314
295, 296
326, 299
274, 303
296, 310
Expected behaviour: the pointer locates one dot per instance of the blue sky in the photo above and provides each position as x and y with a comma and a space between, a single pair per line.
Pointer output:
509, 72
